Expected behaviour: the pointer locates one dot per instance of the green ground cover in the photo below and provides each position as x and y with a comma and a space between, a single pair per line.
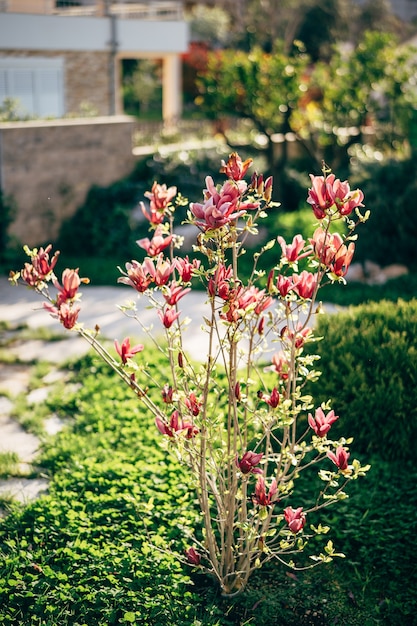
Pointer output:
97, 548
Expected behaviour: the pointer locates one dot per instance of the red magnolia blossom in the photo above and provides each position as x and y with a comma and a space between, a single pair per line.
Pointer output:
126, 351
261, 496
340, 457
284, 285
41, 262
160, 198
70, 283
67, 313
322, 423
342, 259
185, 268
295, 519
281, 365
30, 275
221, 206
299, 336
244, 299
248, 461
328, 193
168, 316
272, 399
291, 251
173, 293
193, 557
305, 284
332, 252
219, 284
136, 276
192, 404
159, 272
158, 242
176, 425
235, 168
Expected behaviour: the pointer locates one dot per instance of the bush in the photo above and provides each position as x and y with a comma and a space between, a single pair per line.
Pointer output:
369, 368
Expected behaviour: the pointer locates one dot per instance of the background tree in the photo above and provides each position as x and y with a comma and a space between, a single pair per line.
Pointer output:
326, 104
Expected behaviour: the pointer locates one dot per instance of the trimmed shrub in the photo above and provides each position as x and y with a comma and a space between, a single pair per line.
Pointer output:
369, 369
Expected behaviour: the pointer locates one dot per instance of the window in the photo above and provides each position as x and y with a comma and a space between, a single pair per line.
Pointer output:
36, 83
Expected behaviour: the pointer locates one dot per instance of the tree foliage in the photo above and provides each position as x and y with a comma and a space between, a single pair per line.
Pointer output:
326, 104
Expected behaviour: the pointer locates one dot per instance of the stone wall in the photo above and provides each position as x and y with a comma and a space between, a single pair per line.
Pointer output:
87, 77
47, 168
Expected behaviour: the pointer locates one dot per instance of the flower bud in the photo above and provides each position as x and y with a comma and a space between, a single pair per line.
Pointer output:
268, 189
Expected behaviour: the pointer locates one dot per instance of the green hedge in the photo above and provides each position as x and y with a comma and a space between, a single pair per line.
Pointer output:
369, 370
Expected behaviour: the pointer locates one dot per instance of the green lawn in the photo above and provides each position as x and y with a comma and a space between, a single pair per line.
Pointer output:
99, 548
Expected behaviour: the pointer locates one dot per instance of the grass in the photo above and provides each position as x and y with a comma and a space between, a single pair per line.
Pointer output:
100, 547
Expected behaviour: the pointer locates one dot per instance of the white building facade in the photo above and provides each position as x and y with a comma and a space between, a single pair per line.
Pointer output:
56, 56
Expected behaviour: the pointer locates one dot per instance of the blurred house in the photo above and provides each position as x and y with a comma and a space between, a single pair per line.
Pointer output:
60, 56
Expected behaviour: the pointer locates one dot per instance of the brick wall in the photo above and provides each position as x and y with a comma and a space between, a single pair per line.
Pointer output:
47, 168
87, 77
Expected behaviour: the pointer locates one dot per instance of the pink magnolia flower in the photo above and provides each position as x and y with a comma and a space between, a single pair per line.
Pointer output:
159, 272
235, 168
30, 275
41, 262
193, 557
244, 299
272, 399
136, 276
160, 198
299, 336
281, 365
261, 496
126, 351
248, 462
219, 284
330, 250
185, 268
295, 519
70, 283
66, 313
305, 284
173, 293
342, 259
292, 251
322, 423
284, 285
157, 244
193, 404
221, 206
340, 457
176, 425
329, 192
168, 316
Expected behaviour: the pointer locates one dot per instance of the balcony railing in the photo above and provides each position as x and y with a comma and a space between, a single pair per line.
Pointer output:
146, 10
